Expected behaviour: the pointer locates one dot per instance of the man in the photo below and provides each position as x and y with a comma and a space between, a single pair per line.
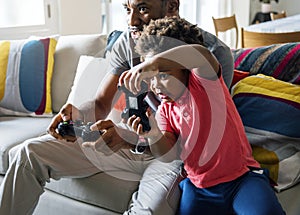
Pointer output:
37, 160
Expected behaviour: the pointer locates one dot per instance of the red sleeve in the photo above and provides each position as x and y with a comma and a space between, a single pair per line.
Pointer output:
162, 120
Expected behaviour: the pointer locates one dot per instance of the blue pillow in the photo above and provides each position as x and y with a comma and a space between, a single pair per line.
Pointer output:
26, 68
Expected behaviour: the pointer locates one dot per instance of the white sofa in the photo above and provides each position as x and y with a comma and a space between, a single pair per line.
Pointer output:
101, 193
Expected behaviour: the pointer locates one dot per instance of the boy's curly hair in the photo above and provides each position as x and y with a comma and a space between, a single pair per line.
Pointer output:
166, 33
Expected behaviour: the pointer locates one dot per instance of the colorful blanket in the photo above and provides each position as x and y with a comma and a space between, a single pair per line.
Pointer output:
270, 111
281, 61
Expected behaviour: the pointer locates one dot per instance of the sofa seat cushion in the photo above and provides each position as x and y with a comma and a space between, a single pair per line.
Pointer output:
102, 190
14, 130
289, 200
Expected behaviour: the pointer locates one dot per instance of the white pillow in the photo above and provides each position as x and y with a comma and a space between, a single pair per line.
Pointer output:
91, 71
68, 51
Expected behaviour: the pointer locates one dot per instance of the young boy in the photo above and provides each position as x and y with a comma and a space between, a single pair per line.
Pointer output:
197, 120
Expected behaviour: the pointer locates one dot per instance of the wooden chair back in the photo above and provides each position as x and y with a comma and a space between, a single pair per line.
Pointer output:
226, 23
255, 39
278, 15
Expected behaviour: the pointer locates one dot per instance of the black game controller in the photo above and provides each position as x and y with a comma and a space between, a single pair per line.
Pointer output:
78, 129
136, 105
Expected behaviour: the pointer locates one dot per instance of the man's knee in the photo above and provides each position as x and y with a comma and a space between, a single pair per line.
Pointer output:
25, 151
12, 152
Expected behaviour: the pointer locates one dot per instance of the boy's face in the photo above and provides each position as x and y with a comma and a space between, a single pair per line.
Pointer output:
140, 12
169, 85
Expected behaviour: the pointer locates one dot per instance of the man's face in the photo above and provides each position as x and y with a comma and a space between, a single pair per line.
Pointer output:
140, 12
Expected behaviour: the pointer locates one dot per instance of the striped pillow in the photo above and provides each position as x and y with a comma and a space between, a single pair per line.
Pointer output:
270, 111
26, 68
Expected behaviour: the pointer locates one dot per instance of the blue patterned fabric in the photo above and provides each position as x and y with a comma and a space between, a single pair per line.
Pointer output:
281, 61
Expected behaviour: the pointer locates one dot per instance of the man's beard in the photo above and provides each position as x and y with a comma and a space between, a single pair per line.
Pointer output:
135, 32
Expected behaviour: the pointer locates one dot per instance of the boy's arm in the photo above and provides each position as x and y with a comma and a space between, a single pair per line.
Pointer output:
222, 52
194, 56
188, 57
164, 148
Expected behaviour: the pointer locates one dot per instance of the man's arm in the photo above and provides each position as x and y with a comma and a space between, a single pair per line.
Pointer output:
108, 94
100, 107
106, 97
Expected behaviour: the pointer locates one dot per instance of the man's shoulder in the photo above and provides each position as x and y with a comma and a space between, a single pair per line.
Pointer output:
116, 37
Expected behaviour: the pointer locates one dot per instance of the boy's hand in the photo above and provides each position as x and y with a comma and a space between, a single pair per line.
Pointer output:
154, 134
132, 78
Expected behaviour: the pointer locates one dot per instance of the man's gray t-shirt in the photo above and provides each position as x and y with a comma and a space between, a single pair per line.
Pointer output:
123, 58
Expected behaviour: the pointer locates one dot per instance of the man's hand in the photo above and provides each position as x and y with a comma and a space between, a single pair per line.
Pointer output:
112, 139
67, 112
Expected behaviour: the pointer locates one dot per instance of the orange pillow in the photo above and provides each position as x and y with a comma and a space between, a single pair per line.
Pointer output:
238, 75
121, 103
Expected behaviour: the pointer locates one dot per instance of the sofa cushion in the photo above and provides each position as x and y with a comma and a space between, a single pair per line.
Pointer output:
102, 190
270, 111
237, 76
280, 61
26, 68
68, 51
14, 130
90, 73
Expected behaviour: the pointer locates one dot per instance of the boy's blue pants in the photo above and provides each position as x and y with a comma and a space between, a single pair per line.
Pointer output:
249, 194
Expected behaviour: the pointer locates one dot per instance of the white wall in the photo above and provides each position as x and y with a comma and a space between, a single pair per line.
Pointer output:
291, 7
79, 16
242, 12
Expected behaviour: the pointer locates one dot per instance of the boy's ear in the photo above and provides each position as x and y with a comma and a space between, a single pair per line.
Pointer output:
172, 7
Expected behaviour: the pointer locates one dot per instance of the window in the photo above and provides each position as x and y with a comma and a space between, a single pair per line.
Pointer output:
20, 19
113, 16
195, 11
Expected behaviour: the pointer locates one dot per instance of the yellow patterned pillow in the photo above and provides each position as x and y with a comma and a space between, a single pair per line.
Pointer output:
26, 68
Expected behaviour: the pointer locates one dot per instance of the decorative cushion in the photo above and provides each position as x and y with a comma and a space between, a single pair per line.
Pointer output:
90, 73
68, 51
270, 111
237, 76
280, 61
26, 68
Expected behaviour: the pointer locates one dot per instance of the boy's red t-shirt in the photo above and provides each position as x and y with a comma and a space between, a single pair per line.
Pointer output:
214, 146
